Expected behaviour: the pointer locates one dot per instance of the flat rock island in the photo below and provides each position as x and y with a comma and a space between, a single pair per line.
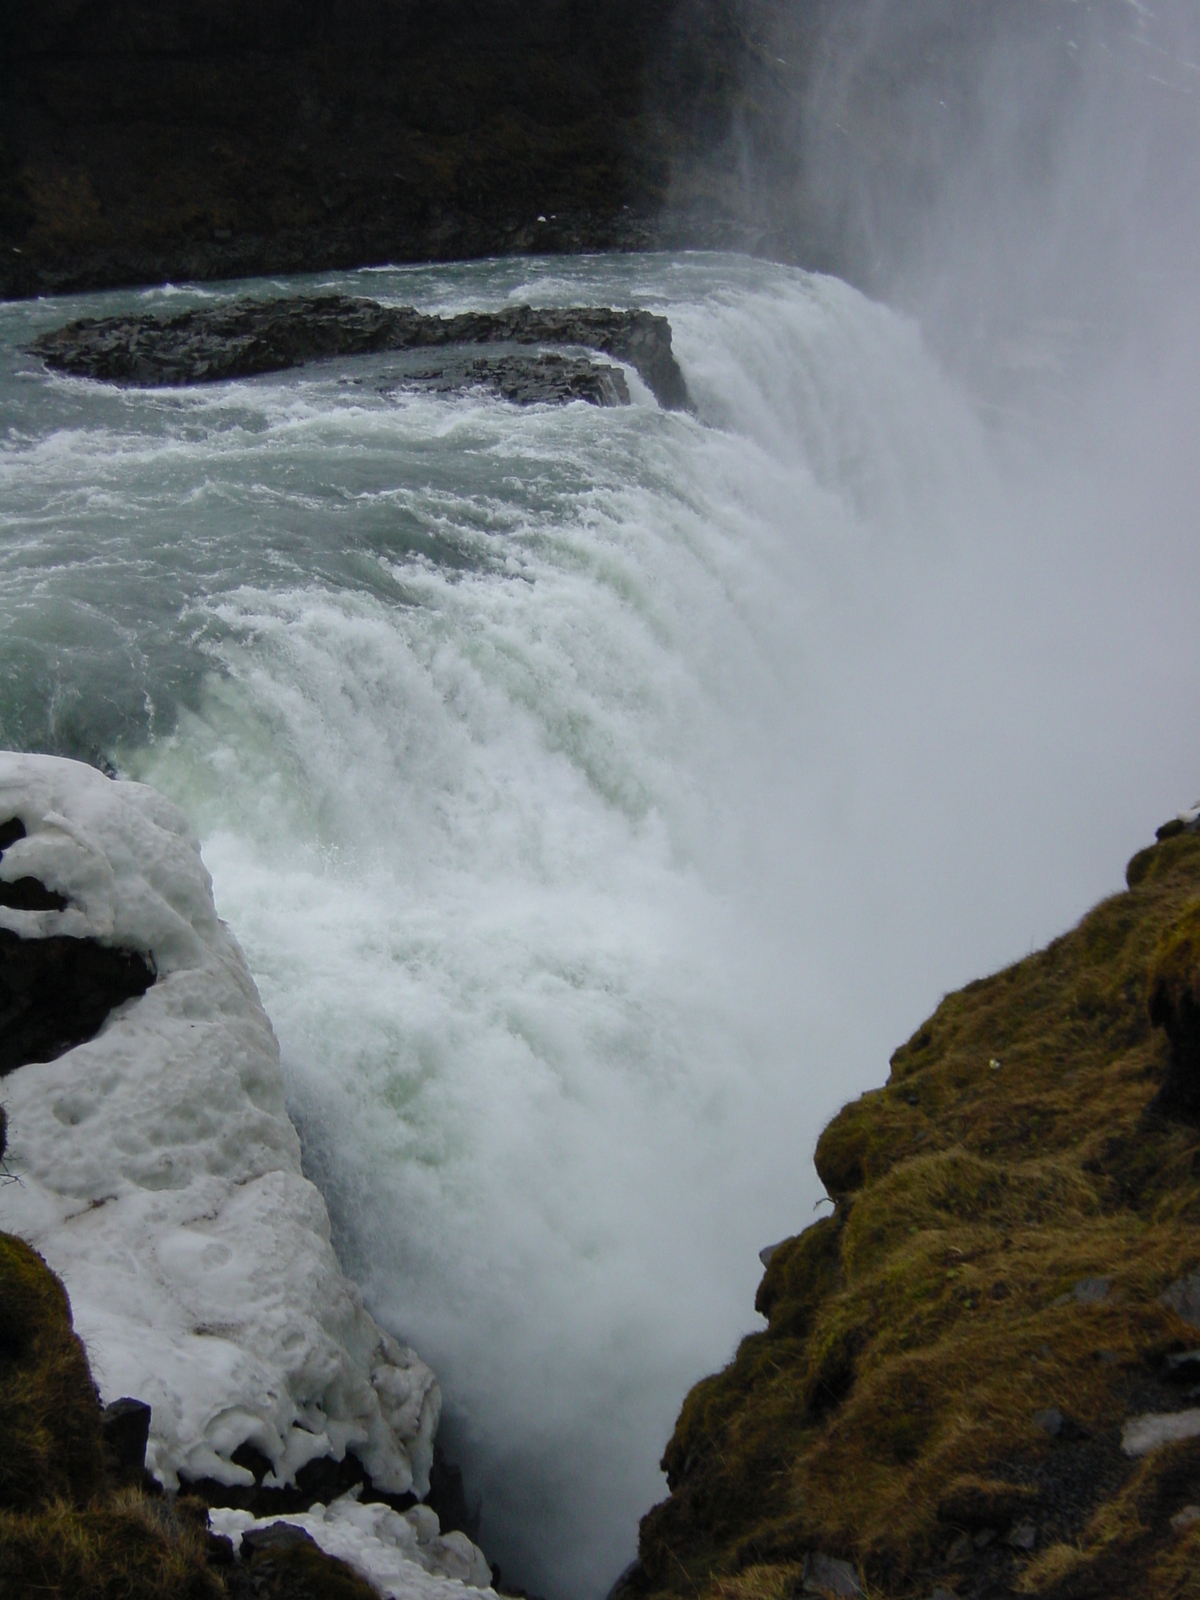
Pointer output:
477, 349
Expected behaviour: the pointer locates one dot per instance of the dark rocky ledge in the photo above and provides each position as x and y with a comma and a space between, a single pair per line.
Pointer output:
55, 993
250, 337
521, 378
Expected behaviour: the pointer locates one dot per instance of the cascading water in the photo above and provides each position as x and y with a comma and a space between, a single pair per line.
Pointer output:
598, 795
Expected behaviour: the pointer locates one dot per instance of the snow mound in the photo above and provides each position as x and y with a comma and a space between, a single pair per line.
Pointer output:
401, 1553
160, 1175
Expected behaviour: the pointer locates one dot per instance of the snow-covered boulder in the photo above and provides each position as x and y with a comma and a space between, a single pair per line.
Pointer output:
402, 1554
160, 1176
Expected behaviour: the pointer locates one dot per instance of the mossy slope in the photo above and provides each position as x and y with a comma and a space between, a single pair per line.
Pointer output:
1010, 1207
69, 1528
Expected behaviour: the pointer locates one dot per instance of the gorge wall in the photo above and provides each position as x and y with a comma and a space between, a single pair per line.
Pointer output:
143, 142
979, 1373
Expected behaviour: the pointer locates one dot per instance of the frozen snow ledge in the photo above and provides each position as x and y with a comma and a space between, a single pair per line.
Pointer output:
160, 1175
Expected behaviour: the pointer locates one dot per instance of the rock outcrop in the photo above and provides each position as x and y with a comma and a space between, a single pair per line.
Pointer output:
248, 337
977, 1375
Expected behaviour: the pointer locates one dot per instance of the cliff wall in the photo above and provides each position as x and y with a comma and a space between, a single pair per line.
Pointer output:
979, 1374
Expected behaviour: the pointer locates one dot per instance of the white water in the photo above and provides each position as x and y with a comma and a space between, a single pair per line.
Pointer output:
599, 796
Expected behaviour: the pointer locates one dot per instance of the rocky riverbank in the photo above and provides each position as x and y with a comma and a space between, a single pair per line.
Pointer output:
980, 1374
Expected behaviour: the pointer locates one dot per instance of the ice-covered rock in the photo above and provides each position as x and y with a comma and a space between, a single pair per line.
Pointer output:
160, 1175
402, 1554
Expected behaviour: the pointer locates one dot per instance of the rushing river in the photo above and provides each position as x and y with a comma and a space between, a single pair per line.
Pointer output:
599, 795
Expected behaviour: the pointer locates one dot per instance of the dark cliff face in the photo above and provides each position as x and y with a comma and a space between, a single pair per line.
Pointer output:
142, 141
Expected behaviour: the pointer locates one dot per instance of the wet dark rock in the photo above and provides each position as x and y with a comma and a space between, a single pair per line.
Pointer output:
1183, 1298
1089, 1292
278, 1536
125, 1428
10, 832
1050, 1421
56, 993
448, 1497
321, 1480
251, 337
219, 1550
1023, 1535
25, 894
525, 380
30, 894
283, 1562
1184, 1367
827, 1576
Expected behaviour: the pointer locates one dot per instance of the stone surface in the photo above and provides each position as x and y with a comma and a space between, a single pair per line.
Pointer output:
524, 380
1185, 1518
1050, 1421
56, 993
1183, 1367
1142, 1434
245, 338
276, 1536
1088, 1292
826, 1575
1183, 1297
125, 1425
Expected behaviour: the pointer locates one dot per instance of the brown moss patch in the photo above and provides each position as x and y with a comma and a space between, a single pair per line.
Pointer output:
950, 1358
124, 1548
301, 1572
50, 1445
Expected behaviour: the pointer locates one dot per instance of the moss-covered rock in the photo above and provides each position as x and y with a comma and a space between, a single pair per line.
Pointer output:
949, 1360
50, 1443
125, 1547
70, 1529
1174, 1004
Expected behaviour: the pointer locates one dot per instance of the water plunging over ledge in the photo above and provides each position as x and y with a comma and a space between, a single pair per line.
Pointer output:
597, 793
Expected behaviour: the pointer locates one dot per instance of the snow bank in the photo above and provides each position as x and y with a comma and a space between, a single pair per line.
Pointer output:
402, 1554
160, 1175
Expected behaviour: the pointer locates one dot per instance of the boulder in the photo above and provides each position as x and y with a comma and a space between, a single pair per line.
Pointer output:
827, 1576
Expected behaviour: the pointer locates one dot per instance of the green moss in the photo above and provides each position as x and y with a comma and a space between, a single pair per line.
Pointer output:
913, 1336
67, 1531
50, 1446
1174, 979
799, 1276
955, 1186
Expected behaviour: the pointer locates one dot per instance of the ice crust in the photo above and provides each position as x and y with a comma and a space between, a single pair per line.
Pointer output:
160, 1175
402, 1554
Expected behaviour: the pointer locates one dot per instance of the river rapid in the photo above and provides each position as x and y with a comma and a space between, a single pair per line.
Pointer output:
599, 795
